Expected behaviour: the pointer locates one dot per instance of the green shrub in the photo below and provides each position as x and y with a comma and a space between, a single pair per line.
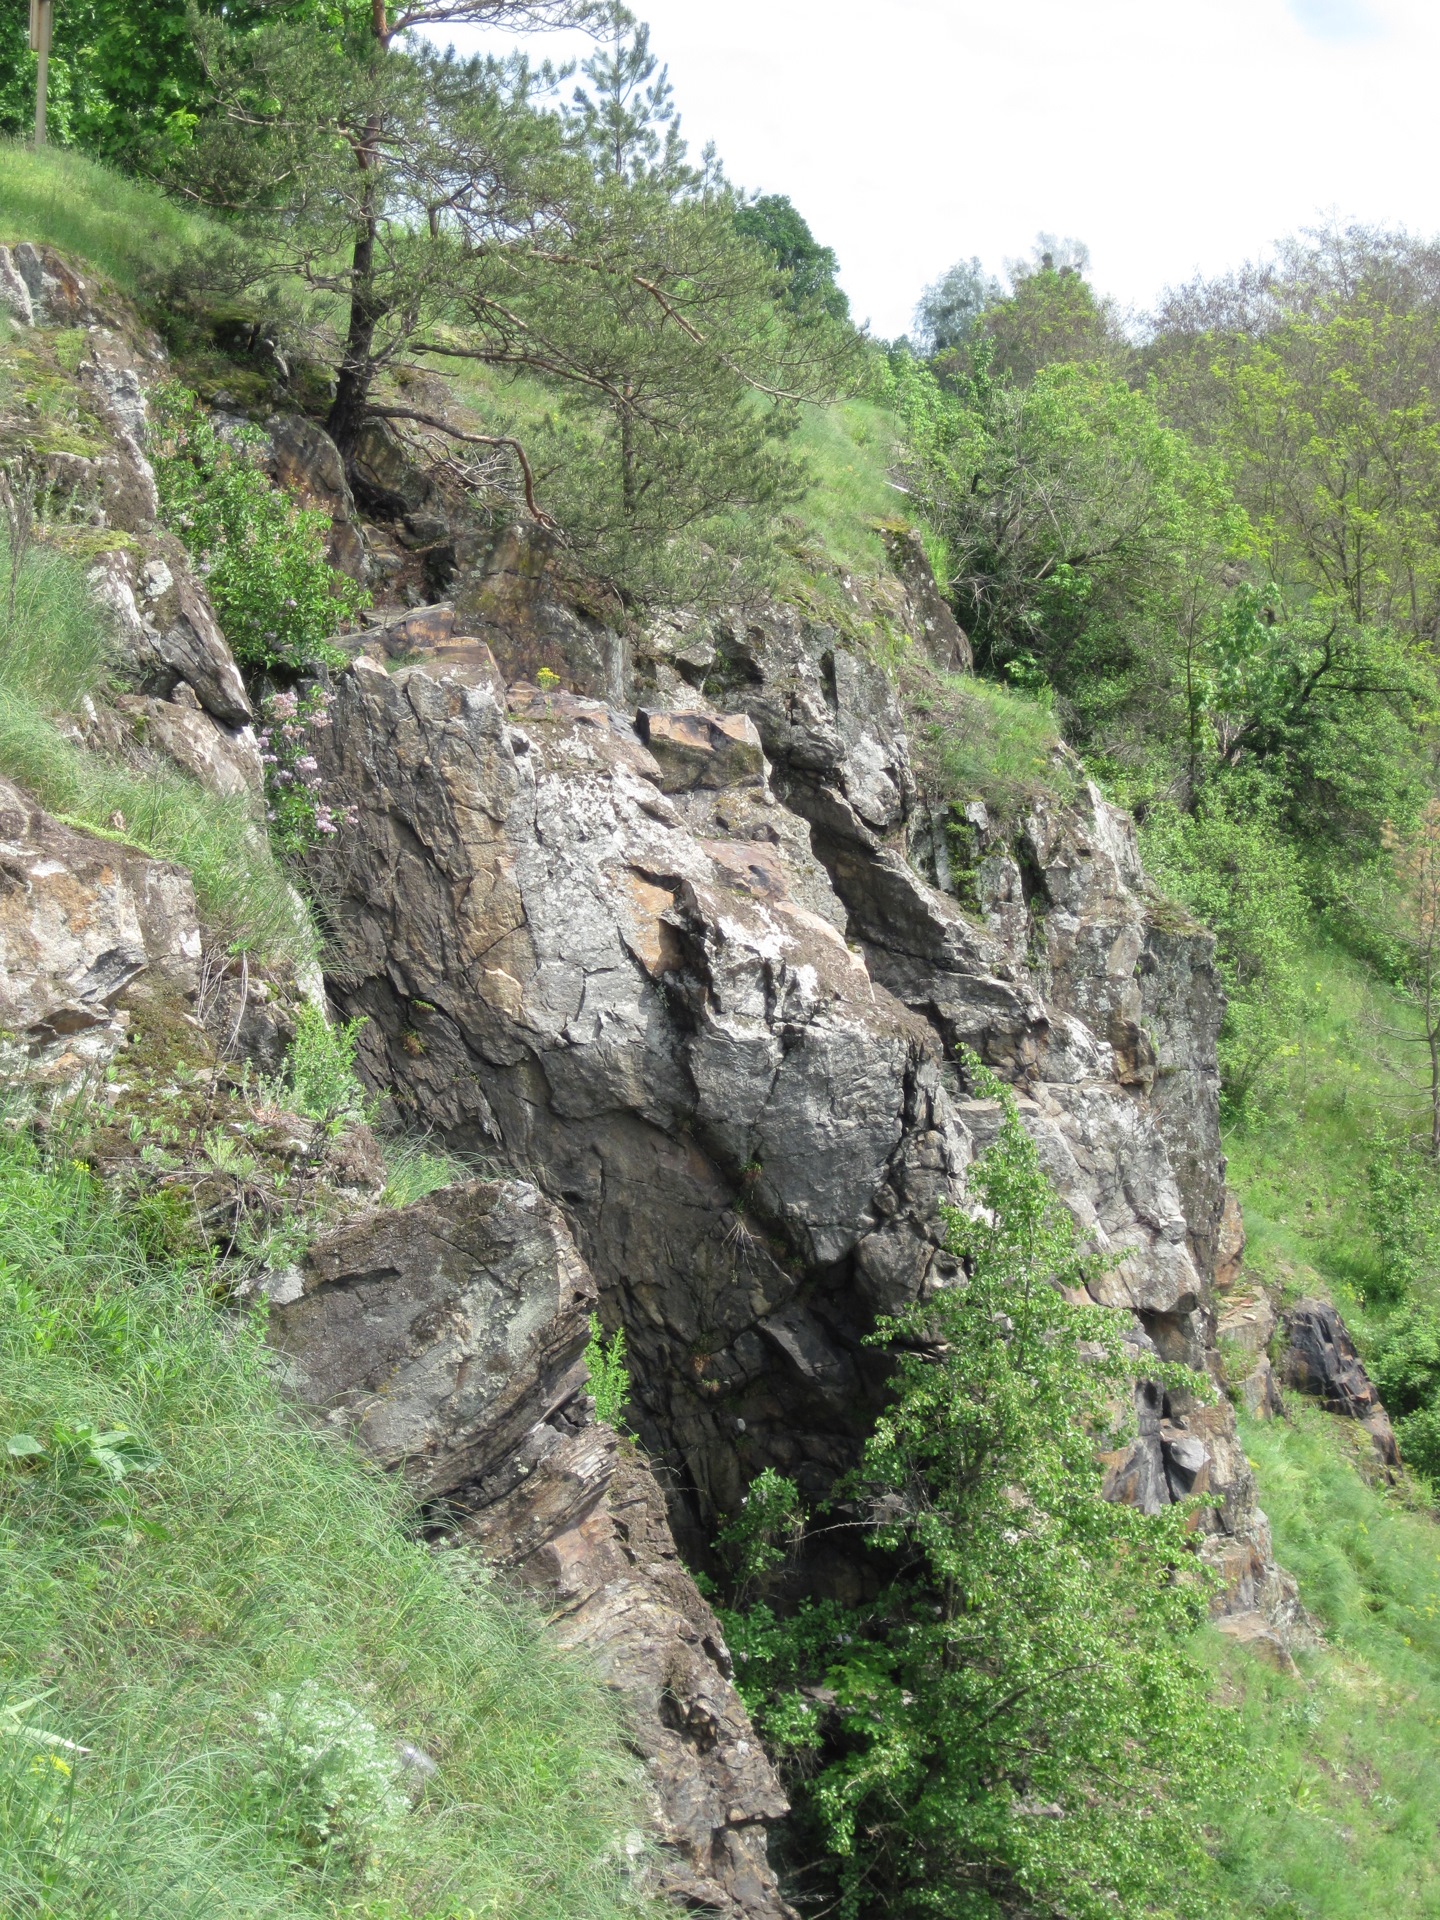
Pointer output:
1402, 1209
980, 1738
277, 597
328, 1777
320, 1068
1404, 1361
763, 1536
1232, 866
609, 1374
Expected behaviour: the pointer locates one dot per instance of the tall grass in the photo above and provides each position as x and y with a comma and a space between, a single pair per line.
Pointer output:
850, 448
122, 227
252, 1557
1343, 1822
54, 651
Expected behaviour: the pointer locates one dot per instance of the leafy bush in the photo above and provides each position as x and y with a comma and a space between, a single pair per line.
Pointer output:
1402, 1210
277, 597
763, 1536
320, 1067
1013, 1724
327, 1777
1405, 1360
1231, 865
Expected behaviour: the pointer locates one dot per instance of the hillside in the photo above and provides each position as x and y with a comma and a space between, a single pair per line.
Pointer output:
601, 1115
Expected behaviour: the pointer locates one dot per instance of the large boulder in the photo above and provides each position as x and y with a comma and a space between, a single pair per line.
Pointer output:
1319, 1359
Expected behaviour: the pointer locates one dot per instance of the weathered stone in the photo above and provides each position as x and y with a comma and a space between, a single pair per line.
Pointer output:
168, 632
945, 639
306, 462
1230, 1247
1319, 1359
449, 1336
80, 919
699, 749
224, 760
14, 293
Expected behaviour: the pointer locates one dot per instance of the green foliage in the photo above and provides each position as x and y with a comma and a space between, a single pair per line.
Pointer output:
762, 1537
609, 1374
328, 1779
1232, 867
120, 227
810, 269
1317, 382
978, 740
1084, 534
277, 597
124, 84
320, 1068
249, 1631
1020, 1688
1402, 1208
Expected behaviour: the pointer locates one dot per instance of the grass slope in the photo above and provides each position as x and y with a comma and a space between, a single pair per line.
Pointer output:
246, 1560
122, 227
1344, 1819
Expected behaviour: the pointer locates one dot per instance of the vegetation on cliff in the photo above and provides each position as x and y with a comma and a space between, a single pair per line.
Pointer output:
1205, 559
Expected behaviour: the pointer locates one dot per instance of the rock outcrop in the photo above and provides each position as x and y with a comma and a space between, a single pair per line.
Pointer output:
81, 918
683, 965
450, 1338
82, 433
1319, 1359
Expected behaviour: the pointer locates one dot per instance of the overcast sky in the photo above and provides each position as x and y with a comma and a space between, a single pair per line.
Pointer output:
1170, 135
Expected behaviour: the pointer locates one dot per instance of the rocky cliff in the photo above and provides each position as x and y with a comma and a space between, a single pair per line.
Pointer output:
683, 948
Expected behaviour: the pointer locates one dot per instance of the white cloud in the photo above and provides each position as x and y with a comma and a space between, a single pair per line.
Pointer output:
1172, 135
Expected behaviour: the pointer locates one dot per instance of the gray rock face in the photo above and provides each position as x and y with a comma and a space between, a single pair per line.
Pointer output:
704, 997
449, 1338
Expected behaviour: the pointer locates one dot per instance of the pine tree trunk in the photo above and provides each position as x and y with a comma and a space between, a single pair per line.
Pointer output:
352, 385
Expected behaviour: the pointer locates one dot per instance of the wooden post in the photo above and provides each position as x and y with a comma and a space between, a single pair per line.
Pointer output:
41, 18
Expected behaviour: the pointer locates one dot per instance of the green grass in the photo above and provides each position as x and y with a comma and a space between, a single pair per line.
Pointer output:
1344, 1820
850, 448
1343, 1076
53, 650
120, 226
977, 740
251, 1558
